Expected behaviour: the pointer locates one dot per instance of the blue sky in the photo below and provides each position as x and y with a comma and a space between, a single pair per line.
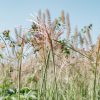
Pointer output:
82, 12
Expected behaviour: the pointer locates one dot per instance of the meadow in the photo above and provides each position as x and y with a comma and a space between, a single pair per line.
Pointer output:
49, 62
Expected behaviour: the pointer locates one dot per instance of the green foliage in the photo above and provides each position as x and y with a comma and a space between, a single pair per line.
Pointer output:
65, 49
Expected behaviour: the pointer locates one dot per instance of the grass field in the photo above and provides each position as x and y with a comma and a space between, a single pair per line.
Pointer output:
37, 64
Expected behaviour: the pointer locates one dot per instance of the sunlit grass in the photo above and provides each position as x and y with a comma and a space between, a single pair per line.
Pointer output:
39, 65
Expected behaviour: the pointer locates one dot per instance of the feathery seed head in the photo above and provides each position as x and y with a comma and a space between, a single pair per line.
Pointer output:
68, 26
63, 17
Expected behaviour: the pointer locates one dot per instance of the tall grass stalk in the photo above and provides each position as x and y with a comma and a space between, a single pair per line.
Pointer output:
44, 78
20, 66
95, 71
55, 75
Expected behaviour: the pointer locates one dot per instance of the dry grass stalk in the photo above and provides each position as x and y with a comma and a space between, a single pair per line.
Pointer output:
55, 24
18, 35
89, 35
68, 27
81, 40
39, 15
86, 42
75, 42
48, 18
43, 18
98, 44
63, 17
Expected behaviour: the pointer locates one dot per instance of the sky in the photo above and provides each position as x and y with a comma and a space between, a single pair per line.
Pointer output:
14, 13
